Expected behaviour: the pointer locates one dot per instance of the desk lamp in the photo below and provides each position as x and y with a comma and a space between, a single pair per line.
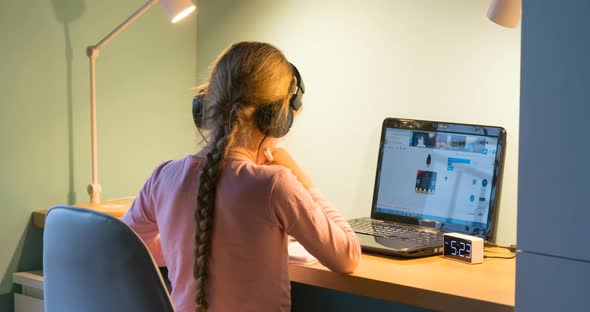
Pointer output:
177, 10
505, 12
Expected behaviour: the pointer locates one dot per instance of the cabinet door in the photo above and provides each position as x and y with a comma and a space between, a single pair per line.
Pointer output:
554, 140
27, 304
545, 283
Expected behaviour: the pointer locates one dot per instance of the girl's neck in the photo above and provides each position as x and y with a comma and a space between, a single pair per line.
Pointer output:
253, 151
249, 153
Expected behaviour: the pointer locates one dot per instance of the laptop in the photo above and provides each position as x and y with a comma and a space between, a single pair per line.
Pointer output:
432, 178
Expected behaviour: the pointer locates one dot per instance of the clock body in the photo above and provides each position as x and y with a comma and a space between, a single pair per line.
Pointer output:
463, 248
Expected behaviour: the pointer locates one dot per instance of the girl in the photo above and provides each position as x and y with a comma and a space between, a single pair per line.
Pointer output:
220, 219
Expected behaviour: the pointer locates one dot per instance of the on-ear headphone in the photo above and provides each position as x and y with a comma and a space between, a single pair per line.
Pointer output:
199, 111
264, 116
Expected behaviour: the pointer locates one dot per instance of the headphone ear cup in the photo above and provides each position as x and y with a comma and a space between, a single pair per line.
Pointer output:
201, 118
295, 100
264, 117
198, 108
288, 124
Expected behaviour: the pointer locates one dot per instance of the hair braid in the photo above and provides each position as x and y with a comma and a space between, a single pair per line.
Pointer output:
246, 77
204, 216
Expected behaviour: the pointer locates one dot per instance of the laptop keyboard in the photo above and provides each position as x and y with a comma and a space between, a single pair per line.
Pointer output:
389, 230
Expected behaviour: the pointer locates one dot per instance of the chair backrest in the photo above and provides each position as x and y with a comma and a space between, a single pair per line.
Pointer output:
95, 262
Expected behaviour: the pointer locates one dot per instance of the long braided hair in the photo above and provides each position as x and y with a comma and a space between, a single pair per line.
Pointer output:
246, 76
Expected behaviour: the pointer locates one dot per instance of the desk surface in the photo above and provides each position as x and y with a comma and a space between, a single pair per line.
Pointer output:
116, 208
432, 282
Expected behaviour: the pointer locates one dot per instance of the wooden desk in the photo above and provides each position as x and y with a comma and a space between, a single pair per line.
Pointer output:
432, 282
116, 208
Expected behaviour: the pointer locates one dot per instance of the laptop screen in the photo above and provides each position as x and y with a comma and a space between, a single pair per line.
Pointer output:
439, 174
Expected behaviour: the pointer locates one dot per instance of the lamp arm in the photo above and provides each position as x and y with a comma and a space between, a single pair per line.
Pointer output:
125, 23
92, 52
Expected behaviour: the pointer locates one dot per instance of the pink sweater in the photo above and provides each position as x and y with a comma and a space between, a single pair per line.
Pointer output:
257, 207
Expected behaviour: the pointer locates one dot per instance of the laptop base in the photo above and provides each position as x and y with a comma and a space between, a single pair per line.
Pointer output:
394, 247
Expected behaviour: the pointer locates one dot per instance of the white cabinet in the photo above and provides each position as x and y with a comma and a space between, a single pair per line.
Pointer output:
553, 168
30, 296
553, 269
548, 284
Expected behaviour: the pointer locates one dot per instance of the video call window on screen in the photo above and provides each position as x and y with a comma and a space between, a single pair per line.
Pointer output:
454, 142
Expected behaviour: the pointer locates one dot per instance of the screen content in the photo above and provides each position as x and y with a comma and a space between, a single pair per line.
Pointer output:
440, 176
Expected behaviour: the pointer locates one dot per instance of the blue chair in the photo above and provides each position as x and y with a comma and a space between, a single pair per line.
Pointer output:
93, 262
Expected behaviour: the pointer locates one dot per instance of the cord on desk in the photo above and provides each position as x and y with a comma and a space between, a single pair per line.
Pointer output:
496, 257
511, 248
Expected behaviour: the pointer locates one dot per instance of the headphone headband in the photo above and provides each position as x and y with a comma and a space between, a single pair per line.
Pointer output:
295, 101
264, 116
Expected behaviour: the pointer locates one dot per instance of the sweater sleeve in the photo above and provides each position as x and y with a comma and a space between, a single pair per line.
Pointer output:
141, 217
314, 222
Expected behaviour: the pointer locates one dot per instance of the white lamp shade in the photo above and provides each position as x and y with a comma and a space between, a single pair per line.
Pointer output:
505, 12
178, 9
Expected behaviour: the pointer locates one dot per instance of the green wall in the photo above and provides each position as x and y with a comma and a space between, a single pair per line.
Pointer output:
363, 61
145, 78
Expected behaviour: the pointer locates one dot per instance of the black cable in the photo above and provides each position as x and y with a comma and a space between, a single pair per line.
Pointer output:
512, 248
260, 145
496, 257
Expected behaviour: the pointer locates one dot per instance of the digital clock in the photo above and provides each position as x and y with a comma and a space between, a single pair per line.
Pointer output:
464, 248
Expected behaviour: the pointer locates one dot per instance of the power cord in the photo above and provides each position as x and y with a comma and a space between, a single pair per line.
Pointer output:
497, 257
511, 248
